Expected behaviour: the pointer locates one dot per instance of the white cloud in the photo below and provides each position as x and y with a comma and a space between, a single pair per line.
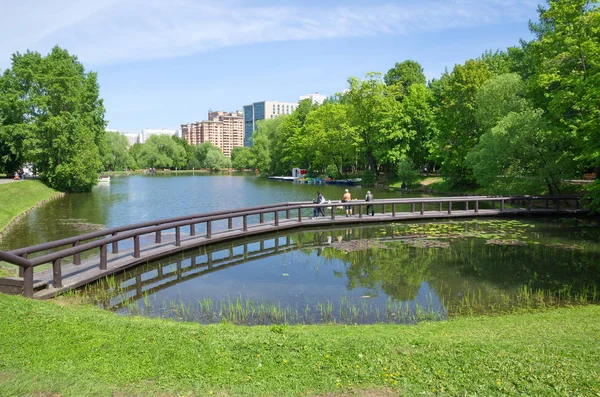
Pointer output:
111, 31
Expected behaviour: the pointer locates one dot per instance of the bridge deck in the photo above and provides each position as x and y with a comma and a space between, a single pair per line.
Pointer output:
74, 276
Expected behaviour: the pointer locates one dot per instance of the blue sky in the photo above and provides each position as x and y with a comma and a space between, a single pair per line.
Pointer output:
162, 63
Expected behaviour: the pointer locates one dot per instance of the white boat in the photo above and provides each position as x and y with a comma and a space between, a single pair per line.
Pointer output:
103, 180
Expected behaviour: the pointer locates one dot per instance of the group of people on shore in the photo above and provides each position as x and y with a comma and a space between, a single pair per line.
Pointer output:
347, 197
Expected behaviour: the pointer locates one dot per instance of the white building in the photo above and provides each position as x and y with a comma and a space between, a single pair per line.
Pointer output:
315, 98
148, 132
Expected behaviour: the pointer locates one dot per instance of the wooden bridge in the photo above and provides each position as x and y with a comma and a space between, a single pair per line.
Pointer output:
75, 261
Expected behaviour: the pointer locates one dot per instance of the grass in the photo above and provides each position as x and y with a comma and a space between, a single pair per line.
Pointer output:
15, 199
47, 349
18, 197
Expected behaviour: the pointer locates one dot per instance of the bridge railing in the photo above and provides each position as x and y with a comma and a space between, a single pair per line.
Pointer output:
246, 217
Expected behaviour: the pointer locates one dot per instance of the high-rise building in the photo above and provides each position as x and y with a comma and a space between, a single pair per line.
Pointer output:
222, 129
263, 111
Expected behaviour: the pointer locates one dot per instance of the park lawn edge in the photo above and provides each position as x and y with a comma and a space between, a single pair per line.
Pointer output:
16, 198
48, 349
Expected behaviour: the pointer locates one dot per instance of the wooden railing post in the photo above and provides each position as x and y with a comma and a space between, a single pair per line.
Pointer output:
441, 206
193, 229
276, 218
502, 205
77, 256
393, 210
178, 236
449, 207
476, 206
422, 208
245, 223
103, 257
529, 205
21, 270
261, 218
412, 207
158, 237
466, 205
136, 246
115, 245
287, 214
230, 223
299, 214
208, 229
57, 273
383, 209
333, 213
28, 282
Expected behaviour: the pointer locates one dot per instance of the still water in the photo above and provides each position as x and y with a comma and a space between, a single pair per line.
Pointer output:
402, 273
140, 198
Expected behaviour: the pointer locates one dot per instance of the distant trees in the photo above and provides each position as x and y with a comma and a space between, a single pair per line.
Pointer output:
51, 115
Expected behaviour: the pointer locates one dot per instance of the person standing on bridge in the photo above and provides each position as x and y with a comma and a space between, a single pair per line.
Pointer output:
369, 199
345, 198
318, 210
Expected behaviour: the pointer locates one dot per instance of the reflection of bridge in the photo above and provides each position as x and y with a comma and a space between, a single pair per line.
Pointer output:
133, 245
143, 280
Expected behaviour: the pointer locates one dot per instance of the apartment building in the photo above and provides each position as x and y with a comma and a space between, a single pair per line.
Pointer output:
263, 111
222, 129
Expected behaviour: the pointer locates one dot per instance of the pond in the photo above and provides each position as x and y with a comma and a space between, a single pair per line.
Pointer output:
398, 273
139, 198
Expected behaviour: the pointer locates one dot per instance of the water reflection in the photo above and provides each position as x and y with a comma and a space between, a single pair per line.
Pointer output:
369, 274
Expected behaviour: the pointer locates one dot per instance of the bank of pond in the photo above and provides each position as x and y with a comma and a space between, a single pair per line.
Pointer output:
389, 273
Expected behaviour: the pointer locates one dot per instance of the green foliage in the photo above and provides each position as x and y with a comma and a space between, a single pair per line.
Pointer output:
565, 82
375, 114
458, 130
405, 74
52, 116
117, 156
407, 173
160, 151
497, 97
522, 153
330, 138
241, 158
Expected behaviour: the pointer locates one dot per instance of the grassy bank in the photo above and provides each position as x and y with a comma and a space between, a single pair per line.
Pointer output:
47, 349
17, 197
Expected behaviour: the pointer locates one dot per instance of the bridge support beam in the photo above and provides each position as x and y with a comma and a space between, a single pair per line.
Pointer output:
136, 246
28, 282
77, 256
57, 273
103, 257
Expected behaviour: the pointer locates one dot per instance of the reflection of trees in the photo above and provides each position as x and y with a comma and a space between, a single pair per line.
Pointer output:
396, 269
495, 270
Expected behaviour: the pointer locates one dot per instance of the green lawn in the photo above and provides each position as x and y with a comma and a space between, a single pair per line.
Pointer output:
52, 350
17, 197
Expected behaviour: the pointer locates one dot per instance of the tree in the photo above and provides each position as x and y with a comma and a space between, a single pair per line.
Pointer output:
405, 74
51, 106
522, 153
566, 79
160, 151
189, 153
374, 113
331, 140
241, 158
458, 128
116, 155
497, 97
